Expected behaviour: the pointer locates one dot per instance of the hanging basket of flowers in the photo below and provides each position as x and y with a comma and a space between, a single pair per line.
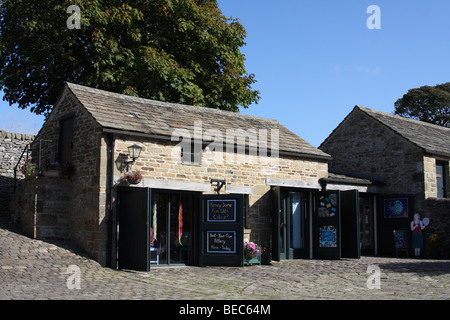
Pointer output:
29, 168
134, 177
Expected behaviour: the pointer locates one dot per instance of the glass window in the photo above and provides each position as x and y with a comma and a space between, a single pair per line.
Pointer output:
191, 154
65, 140
441, 179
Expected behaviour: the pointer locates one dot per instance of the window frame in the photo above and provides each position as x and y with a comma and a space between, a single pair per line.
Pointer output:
441, 187
191, 156
65, 153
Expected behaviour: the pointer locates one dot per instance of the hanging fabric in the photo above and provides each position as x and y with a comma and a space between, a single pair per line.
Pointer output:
180, 222
154, 233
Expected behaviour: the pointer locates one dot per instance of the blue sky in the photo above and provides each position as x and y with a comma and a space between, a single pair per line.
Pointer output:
314, 60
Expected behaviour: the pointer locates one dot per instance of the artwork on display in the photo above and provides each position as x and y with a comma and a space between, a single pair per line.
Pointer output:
417, 226
327, 237
327, 205
396, 208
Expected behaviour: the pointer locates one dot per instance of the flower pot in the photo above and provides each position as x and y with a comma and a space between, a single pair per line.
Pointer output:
51, 173
248, 261
134, 180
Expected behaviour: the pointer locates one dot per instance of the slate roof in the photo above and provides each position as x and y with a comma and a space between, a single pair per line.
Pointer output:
347, 179
132, 114
431, 138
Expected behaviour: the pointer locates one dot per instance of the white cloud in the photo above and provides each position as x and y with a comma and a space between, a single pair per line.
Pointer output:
366, 69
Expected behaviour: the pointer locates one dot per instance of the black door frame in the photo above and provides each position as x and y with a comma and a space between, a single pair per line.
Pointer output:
193, 238
233, 229
372, 198
350, 224
281, 204
133, 229
133, 221
327, 224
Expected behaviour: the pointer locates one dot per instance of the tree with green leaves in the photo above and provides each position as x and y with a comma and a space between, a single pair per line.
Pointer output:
428, 103
181, 51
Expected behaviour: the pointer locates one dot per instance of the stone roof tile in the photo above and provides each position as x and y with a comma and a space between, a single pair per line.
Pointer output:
127, 113
431, 138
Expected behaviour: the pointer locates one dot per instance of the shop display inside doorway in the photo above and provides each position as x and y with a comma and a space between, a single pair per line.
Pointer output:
170, 229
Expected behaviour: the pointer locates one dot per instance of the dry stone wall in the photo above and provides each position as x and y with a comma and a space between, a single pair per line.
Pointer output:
11, 148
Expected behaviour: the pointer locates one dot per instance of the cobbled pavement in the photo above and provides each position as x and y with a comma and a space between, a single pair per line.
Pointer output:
34, 270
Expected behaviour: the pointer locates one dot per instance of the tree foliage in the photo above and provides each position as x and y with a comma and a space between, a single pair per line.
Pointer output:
428, 103
182, 51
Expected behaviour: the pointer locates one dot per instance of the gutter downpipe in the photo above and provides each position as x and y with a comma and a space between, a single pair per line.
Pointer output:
111, 198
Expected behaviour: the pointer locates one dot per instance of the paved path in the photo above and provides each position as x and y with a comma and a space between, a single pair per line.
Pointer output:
33, 269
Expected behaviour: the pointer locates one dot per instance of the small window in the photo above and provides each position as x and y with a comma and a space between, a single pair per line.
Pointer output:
191, 155
441, 170
65, 140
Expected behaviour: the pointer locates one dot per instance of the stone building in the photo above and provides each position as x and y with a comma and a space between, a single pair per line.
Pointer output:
186, 154
410, 157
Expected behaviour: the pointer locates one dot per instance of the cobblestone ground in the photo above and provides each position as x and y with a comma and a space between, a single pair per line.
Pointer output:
33, 269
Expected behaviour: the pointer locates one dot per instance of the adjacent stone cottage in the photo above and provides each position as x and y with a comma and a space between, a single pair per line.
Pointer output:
410, 157
185, 152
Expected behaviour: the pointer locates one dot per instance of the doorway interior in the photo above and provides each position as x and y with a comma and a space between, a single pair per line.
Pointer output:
292, 231
367, 224
172, 228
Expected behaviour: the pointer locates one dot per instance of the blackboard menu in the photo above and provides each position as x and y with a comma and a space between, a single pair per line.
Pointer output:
221, 242
221, 211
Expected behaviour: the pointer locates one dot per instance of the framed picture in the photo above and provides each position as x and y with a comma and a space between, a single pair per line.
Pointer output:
396, 208
327, 237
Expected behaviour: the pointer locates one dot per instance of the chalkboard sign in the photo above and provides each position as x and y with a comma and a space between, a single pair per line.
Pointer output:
221, 211
221, 242
400, 239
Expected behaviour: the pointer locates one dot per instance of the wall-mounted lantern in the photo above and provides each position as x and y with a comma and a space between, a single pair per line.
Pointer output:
134, 151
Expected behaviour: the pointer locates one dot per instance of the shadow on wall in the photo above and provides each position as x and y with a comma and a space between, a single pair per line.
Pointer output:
6, 195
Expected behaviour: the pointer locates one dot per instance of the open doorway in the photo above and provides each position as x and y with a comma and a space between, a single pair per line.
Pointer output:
172, 228
291, 228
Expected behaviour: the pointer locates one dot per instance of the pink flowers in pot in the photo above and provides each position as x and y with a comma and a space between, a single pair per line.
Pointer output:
251, 249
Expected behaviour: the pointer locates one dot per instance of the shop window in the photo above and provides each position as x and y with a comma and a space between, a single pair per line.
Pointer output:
65, 140
441, 177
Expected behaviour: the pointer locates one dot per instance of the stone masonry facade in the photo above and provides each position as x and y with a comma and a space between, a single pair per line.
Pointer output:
364, 147
11, 147
79, 196
82, 213
162, 161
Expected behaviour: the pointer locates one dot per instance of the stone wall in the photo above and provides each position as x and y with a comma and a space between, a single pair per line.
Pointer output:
430, 177
40, 207
438, 210
87, 225
11, 147
362, 146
